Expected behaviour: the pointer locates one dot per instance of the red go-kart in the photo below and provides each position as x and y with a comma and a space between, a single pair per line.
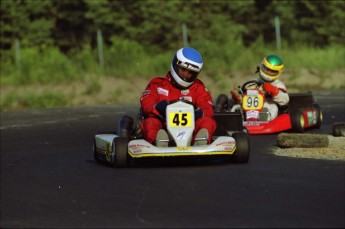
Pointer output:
301, 112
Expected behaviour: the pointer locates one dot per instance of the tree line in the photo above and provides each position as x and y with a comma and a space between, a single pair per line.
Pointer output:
69, 25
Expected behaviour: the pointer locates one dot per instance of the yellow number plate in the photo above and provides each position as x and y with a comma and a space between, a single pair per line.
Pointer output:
253, 102
180, 119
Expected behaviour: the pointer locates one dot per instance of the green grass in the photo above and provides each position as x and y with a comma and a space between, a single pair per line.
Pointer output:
129, 60
46, 99
328, 59
93, 87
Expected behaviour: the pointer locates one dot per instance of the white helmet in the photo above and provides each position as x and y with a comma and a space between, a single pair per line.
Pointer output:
187, 58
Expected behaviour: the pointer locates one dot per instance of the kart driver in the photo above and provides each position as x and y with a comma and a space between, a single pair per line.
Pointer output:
269, 71
180, 83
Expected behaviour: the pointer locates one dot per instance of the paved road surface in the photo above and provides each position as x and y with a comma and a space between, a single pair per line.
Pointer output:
49, 179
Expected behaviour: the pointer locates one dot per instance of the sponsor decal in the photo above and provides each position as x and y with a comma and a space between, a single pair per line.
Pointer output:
229, 143
311, 117
146, 92
188, 98
139, 145
181, 135
185, 64
253, 123
136, 151
162, 91
252, 114
185, 92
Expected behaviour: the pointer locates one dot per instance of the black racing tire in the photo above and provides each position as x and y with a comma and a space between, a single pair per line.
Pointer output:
338, 129
319, 116
245, 130
125, 126
221, 103
120, 149
95, 151
242, 152
297, 121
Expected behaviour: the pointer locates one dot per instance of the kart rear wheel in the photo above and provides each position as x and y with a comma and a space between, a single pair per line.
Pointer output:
319, 115
242, 151
120, 149
297, 121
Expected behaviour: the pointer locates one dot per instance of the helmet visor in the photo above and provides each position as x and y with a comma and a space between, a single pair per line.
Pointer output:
186, 71
186, 65
269, 71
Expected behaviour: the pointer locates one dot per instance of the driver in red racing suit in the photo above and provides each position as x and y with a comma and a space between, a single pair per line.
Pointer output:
180, 83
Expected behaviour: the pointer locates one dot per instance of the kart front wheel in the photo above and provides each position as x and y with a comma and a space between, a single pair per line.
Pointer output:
120, 149
95, 155
242, 151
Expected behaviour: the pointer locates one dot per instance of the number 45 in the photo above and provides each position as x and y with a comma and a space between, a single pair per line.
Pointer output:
180, 119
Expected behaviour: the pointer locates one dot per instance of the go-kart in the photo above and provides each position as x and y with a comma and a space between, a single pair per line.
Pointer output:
127, 143
299, 114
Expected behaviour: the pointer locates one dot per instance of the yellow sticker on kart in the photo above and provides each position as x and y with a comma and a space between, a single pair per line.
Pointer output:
180, 119
253, 102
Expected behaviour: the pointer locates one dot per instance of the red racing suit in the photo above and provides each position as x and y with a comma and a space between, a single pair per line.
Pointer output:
163, 89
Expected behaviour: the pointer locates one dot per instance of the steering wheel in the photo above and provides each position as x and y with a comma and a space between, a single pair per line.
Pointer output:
251, 84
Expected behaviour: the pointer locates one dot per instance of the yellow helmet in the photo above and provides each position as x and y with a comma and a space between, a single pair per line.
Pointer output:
270, 68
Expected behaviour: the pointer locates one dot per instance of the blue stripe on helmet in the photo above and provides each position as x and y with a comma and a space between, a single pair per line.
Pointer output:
192, 54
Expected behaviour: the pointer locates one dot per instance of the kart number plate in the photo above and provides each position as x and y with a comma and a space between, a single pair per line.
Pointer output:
253, 102
178, 119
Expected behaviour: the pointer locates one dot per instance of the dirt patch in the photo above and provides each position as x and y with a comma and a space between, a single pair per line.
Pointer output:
334, 151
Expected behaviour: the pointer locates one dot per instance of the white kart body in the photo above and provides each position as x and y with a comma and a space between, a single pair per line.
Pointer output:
180, 125
221, 146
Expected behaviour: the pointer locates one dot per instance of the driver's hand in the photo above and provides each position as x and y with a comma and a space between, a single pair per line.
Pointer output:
235, 95
161, 107
198, 113
270, 89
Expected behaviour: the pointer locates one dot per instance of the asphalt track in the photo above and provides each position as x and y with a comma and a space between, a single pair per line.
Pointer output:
49, 179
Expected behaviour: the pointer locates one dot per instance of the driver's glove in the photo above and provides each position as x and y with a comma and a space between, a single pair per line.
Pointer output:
270, 89
161, 107
198, 113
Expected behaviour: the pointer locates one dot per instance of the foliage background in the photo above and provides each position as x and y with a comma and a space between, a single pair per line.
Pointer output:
49, 48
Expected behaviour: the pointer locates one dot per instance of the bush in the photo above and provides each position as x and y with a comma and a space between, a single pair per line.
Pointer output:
48, 66
123, 58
